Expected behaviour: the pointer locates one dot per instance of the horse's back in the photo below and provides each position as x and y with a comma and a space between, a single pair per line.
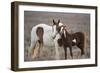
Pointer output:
34, 29
78, 35
47, 35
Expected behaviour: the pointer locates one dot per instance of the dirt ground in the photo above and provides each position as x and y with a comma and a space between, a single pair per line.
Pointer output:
74, 21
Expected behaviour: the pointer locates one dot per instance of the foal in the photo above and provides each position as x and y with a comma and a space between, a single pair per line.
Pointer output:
68, 40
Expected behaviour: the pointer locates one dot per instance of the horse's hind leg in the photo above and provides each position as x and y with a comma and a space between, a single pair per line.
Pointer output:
34, 49
81, 48
82, 51
82, 44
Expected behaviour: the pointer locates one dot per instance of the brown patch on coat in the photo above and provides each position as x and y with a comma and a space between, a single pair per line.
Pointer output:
39, 42
40, 33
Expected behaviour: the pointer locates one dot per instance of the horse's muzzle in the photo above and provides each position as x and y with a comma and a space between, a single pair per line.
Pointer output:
54, 37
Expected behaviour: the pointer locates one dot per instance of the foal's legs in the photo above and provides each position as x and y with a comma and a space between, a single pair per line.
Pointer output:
70, 48
65, 49
81, 48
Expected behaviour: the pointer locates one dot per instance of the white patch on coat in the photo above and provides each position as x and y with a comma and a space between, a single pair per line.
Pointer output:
74, 40
65, 33
54, 31
61, 30
60, 24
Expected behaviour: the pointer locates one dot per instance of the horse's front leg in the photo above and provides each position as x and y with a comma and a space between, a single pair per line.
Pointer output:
65, 50
57, 51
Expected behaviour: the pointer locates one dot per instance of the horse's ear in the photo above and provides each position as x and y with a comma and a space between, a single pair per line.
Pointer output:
58, 21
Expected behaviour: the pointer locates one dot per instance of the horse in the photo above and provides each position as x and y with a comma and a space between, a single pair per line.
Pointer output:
68, 40
42, 35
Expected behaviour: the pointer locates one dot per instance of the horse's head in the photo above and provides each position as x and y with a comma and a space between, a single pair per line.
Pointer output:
55, 28
63, 30
58, 27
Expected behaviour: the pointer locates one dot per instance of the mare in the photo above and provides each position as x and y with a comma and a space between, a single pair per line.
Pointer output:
43, 35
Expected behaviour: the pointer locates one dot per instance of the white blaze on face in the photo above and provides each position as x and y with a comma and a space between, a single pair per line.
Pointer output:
54, 31
74, 40
61, 30
65, 33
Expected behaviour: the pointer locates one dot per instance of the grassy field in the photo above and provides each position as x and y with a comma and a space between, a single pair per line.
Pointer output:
74, 21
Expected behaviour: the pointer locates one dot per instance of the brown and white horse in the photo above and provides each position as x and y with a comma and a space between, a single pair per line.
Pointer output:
67, 39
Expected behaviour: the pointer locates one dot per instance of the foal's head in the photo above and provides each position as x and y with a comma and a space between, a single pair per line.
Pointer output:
58, 28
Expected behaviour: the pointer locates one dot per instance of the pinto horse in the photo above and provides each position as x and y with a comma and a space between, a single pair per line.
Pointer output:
68, 40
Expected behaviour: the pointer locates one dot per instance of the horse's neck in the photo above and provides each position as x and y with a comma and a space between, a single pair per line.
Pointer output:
67, 33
